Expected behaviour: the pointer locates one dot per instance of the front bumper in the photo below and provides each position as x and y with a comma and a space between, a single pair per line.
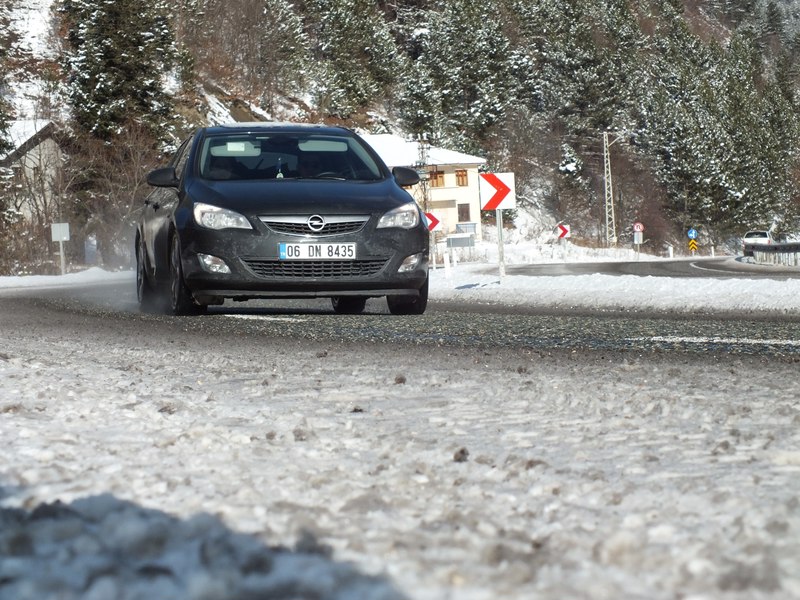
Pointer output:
257, 271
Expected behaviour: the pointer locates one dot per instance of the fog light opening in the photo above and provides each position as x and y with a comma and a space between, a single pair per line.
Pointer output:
410, 263
213, 264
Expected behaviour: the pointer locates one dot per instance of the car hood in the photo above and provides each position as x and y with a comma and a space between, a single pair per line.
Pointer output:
292, 196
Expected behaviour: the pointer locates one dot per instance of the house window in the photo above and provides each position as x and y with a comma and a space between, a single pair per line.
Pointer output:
436, 178
463, 213
461, 177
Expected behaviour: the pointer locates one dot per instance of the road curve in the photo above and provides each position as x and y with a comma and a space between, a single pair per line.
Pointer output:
445, 324
725, 267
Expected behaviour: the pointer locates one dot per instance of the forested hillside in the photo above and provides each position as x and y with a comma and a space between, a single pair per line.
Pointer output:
701, 98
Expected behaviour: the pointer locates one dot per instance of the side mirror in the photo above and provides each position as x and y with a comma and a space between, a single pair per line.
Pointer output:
405, 176
165, 177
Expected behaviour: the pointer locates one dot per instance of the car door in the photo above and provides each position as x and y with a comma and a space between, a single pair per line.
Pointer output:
158, 210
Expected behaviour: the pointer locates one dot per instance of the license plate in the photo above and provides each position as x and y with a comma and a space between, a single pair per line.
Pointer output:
306, 251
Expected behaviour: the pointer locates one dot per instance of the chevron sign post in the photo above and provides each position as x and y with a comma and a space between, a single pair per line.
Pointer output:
497, 193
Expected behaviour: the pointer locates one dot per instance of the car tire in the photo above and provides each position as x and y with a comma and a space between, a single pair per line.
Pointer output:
145, 292
180, 299
348, 305
409, 305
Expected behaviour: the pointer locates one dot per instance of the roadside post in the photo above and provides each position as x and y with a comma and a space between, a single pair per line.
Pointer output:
563, 232
638, 235
497, 192
692, 234
433, 224
60, 233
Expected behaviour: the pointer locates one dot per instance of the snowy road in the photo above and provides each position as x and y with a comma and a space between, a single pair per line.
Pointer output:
458, 473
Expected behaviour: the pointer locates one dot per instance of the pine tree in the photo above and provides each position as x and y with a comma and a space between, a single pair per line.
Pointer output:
725, 136
6, 113
7, 217
764, 128
119, 57
120, 54
421, 102
585, 53
357, 62
740, 10
773, 19
468, 57
282, 50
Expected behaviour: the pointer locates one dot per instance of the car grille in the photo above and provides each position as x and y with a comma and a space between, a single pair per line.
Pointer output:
312, 269
299, 225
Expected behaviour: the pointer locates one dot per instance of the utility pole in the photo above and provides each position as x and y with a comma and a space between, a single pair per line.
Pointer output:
423, 147
611, 226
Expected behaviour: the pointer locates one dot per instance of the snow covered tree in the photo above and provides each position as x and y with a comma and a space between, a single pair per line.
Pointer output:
468, 57
119, 57
421, 101
739, 10
725, 135
6, 218
280, 58
6, 39
584, 52
355, 58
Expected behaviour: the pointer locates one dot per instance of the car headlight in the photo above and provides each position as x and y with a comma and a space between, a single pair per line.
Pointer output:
215, 217
405, 217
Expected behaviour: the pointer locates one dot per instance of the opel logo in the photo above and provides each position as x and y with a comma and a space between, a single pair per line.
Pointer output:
316, 223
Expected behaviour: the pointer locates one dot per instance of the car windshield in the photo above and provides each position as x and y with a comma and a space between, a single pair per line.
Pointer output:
285, 155
756, 234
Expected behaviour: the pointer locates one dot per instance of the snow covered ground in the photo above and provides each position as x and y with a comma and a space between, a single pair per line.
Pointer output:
136, 467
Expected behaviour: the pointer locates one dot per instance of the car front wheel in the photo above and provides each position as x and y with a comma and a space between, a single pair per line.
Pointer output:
409, 305
145, 293
180, 299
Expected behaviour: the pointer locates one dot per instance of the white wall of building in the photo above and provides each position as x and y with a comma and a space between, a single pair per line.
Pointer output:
456, 206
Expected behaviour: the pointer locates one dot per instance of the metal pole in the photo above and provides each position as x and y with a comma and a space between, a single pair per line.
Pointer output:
500, 256
63, 260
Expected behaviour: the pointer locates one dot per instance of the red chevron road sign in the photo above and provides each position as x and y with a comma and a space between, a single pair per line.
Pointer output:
432, 221
497, 191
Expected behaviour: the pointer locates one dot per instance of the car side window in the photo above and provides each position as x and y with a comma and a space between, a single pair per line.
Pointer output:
179, 162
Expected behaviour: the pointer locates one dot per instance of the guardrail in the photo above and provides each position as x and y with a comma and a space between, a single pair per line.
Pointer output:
786, 254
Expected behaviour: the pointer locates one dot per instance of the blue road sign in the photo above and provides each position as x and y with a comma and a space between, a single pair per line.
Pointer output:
692, 233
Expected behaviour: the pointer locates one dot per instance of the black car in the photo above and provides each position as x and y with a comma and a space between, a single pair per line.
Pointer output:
267, 210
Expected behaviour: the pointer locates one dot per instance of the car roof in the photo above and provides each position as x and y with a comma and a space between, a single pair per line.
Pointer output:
276, 127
